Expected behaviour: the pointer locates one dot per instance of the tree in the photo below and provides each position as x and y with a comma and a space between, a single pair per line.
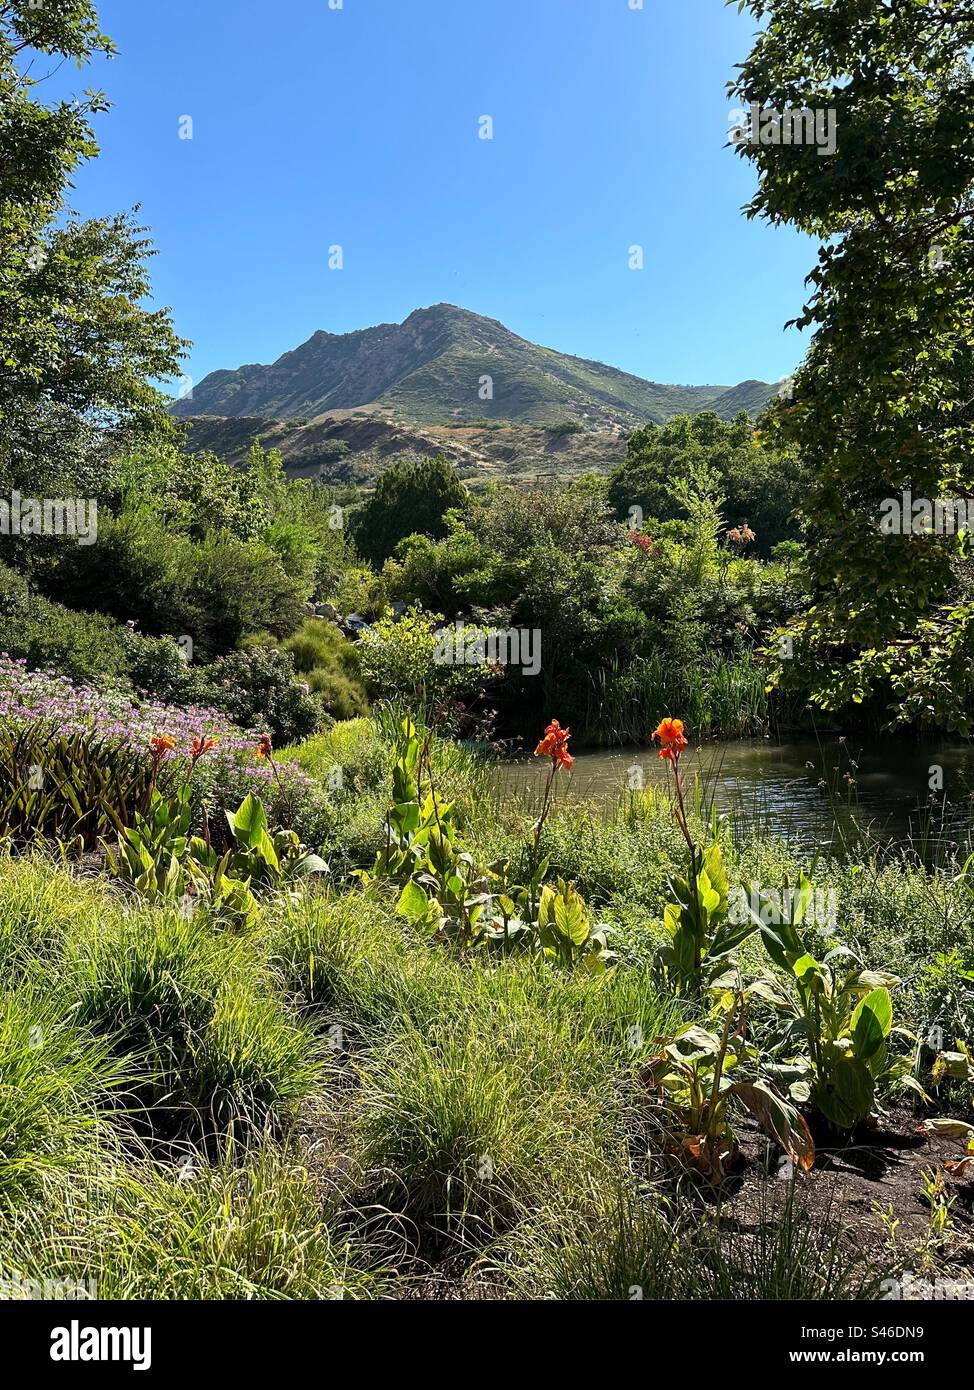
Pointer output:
884, 402
760, 486
409, 498
79, 351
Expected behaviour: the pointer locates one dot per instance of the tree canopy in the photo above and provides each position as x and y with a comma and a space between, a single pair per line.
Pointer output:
80, 352
884, 400
759, 486
409, 497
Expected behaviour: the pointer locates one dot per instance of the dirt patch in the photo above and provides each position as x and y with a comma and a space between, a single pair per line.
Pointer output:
857, 1179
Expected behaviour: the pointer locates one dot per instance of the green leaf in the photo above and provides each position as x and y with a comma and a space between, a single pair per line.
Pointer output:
845, 1094
413, 903
571, 919
871, 1022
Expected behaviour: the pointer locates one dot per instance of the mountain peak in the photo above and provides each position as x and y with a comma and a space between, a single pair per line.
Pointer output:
444, 364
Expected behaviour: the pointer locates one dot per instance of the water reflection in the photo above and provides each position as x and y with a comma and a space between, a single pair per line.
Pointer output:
827, 794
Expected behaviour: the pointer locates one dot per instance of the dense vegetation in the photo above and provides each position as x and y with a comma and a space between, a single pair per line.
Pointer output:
883, 401
293, 1001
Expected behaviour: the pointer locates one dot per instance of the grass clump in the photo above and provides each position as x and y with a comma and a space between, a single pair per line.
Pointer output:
210, 1046
257, 1230
55, 1082
626, 1243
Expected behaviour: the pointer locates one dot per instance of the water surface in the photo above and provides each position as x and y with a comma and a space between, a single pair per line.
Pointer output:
819, 794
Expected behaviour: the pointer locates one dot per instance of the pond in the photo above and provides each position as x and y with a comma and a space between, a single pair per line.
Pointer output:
825, 794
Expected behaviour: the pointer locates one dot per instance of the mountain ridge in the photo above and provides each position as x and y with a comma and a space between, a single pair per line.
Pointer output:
444, 365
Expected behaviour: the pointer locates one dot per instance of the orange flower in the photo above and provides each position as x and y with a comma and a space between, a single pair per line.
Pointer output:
554, 745
201, 746
161, 744
264, 748
671, 737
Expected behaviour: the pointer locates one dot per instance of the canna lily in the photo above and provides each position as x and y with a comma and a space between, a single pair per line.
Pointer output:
672, 741
161, 744
264, 749
201, 746
671, 738
554, 745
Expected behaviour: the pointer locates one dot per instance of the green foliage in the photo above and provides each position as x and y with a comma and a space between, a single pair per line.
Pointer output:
269, 861
209, 1049
408, 498
342, 697
213, 591
191, 495
723, 695
399, 661
624, 1242
249, 1227
73, 788
71, 291
883, 402
620, 625
258, 689
331, 665
55, 1077
354, 750
85, 646
693, 1076
760, 486
162, 860
701, 938
444, 893
840, 1016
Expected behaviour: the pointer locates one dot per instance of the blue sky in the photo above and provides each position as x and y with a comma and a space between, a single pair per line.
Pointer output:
358, 127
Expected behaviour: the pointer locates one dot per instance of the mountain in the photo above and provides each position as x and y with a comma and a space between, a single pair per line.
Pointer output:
431, 370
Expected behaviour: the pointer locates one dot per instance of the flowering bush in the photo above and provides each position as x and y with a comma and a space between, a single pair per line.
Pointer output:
224, 778
414, 658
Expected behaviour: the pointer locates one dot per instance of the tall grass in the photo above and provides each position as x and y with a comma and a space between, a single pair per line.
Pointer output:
626, 1244
719, 695
263, 1229
210, 1048
403, 1104
55, 1082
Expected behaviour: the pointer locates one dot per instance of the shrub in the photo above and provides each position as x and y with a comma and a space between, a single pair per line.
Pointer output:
213, 591
331, 664
341, 697
257, 689
409, 497
319, 644
81, 645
